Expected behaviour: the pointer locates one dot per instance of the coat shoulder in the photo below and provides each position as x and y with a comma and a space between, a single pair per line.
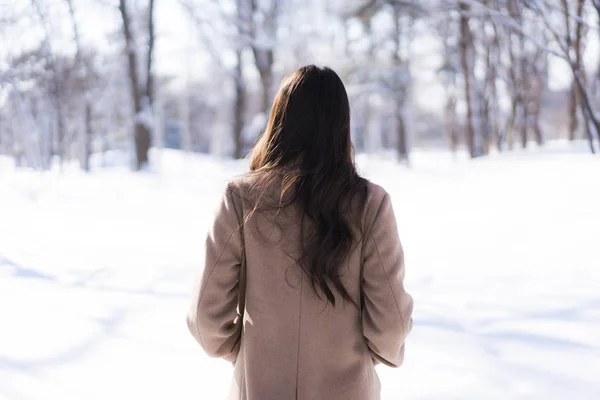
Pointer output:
375, 191
373, 202
376, 194
239, 185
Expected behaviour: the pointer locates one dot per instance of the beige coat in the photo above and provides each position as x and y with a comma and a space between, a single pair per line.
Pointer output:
288, 344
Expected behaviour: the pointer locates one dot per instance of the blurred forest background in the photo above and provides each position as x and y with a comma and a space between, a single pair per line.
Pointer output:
80, 79
501, 251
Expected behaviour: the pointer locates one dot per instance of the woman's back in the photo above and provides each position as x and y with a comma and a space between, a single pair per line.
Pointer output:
292, 344
302, 287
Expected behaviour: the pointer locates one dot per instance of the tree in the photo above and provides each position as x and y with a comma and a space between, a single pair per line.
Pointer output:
466, 61
239, 105
259, 22
234, 37
79, 59
596, 4
400, 76
568, 52
488, 96
493, 50
142, 93
389, 81
544, 13
448, 73
574, 40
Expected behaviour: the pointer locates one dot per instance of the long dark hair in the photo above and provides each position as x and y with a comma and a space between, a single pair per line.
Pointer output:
307, 147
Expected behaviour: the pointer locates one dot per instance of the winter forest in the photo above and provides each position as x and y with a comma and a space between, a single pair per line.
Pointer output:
80, 78
121, 122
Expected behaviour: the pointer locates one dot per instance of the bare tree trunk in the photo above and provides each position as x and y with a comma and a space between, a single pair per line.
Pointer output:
239, 107
576, 44
535, 102
266, 81
264, 55
142, 144
596, 4
400, 89
48, 137
87, 137
87, 131
524, 127
466, 49
511, 123
579, 40
578, 70
150, 55
245, 30
493, 85
60, 134
132, 59
402, 144
525, 92
524, 88
142, 134
573, 123
517, 121
450, 87
489, 126
485, 125
486, 96
57, 90
537, 131
449, 122
144, 137
588, 111
534, 116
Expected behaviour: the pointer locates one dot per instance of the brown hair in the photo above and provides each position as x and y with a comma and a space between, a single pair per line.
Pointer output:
307, 143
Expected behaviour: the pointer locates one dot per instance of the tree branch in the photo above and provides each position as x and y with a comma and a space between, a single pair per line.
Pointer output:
131, 56
201, 23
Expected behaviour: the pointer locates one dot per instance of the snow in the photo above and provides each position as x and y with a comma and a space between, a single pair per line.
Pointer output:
502, 260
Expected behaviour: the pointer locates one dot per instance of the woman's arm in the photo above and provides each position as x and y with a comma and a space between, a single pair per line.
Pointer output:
213, 318
387, 308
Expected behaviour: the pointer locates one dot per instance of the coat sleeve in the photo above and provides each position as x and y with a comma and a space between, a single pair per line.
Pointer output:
386, 306
214, 319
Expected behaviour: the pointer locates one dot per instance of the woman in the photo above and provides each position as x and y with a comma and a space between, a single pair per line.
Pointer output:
302, 288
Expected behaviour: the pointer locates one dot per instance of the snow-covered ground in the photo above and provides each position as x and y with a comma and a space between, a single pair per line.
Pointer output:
502, 259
